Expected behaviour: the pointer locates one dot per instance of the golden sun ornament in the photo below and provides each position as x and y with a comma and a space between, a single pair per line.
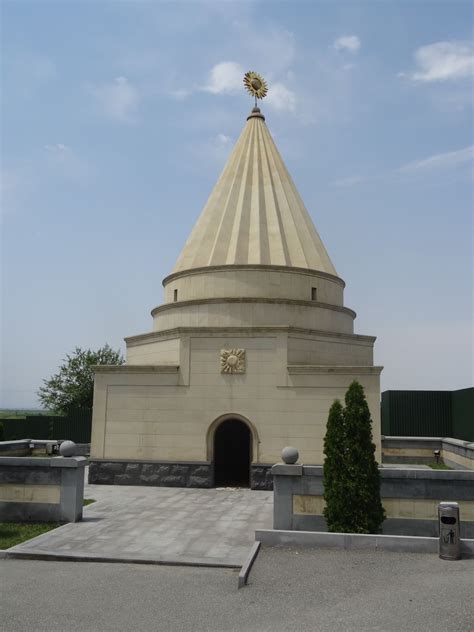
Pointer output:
255, 84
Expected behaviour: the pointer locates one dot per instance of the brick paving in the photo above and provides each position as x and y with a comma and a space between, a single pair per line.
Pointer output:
161, 524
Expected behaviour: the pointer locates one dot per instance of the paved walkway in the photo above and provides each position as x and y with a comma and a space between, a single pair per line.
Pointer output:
161, 524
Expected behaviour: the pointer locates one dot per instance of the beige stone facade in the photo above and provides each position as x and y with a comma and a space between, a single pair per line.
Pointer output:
151, 412
253, 328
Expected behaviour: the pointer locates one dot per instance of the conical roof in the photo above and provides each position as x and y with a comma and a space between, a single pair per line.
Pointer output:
255, 215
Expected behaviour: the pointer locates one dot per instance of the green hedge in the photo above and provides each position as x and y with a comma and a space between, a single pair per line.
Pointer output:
428, 414
76, 426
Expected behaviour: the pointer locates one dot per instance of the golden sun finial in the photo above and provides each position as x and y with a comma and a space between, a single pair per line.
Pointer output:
256, 85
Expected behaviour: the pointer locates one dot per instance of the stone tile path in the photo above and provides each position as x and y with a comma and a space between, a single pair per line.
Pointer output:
161, 524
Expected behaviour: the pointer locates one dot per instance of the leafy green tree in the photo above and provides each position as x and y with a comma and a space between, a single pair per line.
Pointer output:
73, 386
351, 475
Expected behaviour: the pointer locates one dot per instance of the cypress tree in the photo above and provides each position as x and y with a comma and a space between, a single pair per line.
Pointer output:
334, 471
353, 503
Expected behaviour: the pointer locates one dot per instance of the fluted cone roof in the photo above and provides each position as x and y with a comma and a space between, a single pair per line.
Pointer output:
255, 215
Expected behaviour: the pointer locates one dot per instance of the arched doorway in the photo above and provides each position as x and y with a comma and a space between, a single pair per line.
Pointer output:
232, 450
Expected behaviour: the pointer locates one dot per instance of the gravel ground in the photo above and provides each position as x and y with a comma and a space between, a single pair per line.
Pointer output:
290, 589
332, 591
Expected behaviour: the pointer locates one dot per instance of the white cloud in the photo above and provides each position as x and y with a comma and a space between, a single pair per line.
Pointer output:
444, 61
280, 98
350, 43
437, 162
213, 151
446, 160
62, 159
118, 99
349, 181
57, 148
225, 77
180, 94
222, 139
218, 147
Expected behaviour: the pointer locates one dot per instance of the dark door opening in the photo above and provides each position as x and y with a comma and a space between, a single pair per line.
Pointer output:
232, 445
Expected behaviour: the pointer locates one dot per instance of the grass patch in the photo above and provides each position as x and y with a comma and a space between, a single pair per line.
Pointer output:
439, 466
88, 501
12, 533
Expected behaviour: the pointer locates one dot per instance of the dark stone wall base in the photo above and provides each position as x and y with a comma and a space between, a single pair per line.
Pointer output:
261, 477
168, 474
153, 474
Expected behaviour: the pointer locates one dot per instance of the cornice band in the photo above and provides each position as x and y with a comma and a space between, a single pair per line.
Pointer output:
245, 267
284, 301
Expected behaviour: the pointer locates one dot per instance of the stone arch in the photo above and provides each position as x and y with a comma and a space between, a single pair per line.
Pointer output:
225, 417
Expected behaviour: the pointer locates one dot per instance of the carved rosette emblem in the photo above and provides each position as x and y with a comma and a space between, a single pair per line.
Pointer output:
232, 360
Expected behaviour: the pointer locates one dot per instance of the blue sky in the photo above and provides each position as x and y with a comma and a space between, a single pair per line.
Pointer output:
117, 118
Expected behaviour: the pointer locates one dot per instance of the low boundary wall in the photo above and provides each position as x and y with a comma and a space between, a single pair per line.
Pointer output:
453, 452
34, 489
410, 498
348, 541
33, 447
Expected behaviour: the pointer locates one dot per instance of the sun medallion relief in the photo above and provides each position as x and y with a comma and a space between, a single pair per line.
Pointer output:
232, 360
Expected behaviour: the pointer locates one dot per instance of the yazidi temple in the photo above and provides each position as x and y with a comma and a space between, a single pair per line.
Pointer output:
249, 349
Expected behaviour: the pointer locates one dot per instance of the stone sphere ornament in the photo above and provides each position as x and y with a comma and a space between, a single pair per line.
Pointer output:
289, 455
67, 448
